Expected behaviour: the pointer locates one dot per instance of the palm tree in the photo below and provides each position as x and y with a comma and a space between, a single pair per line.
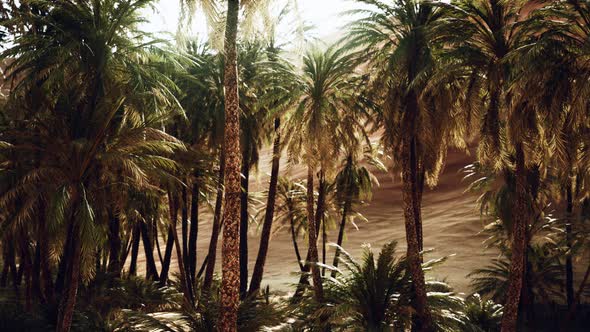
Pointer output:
354, 185
94, 127
420, 119
492, 34
328, 92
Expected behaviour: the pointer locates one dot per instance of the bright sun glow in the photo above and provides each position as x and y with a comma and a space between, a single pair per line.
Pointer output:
324, 15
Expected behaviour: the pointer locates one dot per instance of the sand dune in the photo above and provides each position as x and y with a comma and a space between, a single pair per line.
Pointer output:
450, 217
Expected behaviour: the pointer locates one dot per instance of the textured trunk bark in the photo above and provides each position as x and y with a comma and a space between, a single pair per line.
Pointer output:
135, 237
258, 272
412, 194
173, 203
244, 224
151, 269
114, 244
312, 237
194, 230
216, 229
510, 317
569, 267
72, 276
230, 283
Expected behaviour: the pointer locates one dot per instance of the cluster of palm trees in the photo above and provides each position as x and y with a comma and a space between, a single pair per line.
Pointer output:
110, 138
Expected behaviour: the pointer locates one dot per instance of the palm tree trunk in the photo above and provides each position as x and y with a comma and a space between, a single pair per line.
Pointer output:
303, 280
569, 268
114, 244
173, 203
194, 229
345, 210
135, 237
184, 224
244, 222
151, 269
572, 311
312, 237
324, 236
25, 262
72, 257
410, 191
509, 319
216, 229
44, 259
258, 272
186, 286
230, 283
295, 245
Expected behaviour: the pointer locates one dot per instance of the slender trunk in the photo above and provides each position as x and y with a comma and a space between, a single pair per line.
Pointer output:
44, 259
26, 265
194, 229
230, 283
269, 215
324, 236
312, 237
411, 194
72, 257
517, 268
185, 284
572, 311
4, 274
295, 245
151, 269
244, 223
173, 203
114, 244
345, 210
303, 280
36, 275
135, 237
216, 229
569, 268
184, 223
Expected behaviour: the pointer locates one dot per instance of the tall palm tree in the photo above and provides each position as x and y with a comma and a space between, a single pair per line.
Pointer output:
492, 34
420, 119
328, 83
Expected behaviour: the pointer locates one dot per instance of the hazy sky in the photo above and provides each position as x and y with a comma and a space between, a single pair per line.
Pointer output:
323, 14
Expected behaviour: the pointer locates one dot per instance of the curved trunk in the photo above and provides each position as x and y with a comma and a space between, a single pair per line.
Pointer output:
269, 215
244, 223
324, 239
510, 317
230, 283
295, 245
216, 229
194, 230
